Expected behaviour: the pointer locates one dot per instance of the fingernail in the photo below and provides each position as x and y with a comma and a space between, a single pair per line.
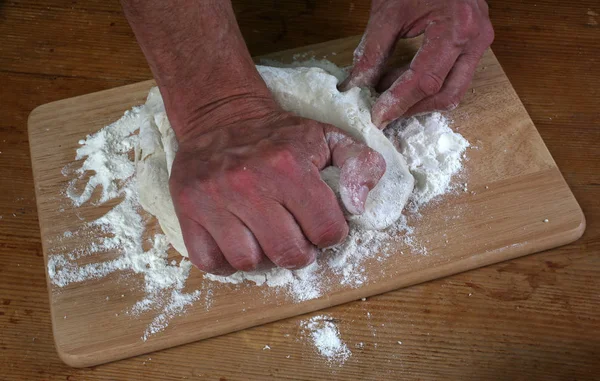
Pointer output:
363, 192
383, 125
343, 86
355, 200
312, 257
376, 120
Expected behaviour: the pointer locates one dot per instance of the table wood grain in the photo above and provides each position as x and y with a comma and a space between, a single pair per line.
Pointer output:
535, 317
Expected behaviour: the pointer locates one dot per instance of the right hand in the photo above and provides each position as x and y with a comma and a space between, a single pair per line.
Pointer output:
249, 195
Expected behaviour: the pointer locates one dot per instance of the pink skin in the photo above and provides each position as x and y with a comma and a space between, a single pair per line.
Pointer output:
249, 195
456, 34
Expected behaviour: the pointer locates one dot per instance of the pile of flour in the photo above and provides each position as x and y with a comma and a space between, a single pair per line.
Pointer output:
325, 336
431, 149
433, 153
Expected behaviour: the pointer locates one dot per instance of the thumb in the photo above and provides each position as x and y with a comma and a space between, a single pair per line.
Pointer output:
360, 168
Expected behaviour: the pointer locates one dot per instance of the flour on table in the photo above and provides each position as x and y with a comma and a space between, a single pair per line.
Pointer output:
325, 336
428, 151
122, 229
106, 155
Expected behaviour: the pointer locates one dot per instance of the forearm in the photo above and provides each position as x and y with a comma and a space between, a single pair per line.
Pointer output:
200, 62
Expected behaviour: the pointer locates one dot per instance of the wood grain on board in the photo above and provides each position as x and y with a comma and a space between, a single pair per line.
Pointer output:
535, 317
517, 203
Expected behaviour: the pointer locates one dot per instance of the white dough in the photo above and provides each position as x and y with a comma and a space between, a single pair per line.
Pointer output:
307, 92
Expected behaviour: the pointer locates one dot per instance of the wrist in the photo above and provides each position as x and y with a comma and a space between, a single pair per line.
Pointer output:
200, 61
197, 119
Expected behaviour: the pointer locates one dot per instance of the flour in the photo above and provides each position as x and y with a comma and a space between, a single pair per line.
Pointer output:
175, 305
106, 154
106, 157
433, 154
303, 284
326, 338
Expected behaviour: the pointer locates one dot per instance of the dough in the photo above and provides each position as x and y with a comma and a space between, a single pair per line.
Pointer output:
308, 92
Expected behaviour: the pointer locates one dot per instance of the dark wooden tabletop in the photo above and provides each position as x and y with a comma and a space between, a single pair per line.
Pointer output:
537, 317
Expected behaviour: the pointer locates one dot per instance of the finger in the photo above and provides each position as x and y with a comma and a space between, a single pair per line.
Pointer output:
235, 240
455, 87
361, 168
203, 251
370, 56
424, 78
279, 235
314, 205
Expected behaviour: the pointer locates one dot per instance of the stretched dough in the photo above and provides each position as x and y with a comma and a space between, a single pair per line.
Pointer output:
308, 92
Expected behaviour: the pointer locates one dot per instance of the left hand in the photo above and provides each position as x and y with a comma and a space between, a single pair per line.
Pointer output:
457, 33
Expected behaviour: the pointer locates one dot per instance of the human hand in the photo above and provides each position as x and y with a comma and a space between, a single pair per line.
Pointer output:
249, 195
245, 182
456, 34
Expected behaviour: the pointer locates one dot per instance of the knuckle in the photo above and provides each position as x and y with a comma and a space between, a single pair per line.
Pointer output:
488, 35
466, 12
448, 103
293, 255
241, 178
207, 264
282, 157
184, 182
191, 194
430, 84
245, 262
184, 194
467, 21
329, 233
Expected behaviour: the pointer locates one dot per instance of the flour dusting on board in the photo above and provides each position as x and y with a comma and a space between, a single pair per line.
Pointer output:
325, 336
432, 150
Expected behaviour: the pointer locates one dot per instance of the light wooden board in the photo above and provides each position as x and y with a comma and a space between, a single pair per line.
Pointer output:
514, 185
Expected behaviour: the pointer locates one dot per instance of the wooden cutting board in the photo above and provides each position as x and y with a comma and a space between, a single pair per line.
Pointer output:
517, 203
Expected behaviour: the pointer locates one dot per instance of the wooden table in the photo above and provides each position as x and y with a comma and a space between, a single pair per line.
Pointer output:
535, 317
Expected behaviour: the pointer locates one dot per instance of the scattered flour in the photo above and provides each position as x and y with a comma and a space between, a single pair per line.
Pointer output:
106, 156
431, 149
326, 338
175, 305
302, 284
106, 153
